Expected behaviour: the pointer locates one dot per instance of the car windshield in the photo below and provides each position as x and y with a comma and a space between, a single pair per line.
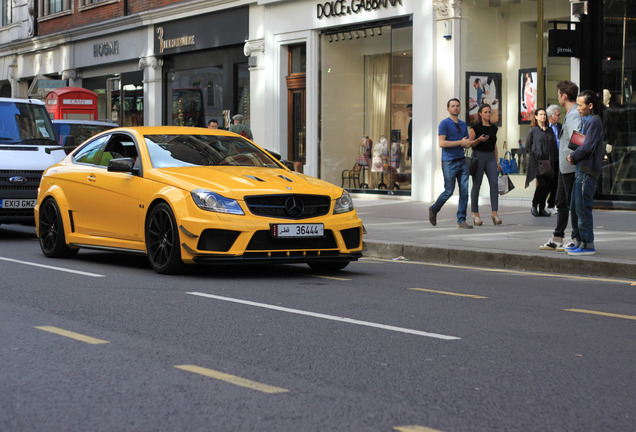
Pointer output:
32, 124
169, 151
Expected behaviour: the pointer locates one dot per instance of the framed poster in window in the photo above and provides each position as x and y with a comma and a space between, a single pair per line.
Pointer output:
527, 95
483, 88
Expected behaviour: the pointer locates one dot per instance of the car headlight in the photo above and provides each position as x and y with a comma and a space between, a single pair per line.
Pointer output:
211, 201
343, 204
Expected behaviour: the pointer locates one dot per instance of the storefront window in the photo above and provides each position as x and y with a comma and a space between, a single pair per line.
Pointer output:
206, 85
619, 116
188, 104
365, 89
499, 67
120, 98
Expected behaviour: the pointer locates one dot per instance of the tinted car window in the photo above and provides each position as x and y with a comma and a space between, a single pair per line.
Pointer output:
92, 152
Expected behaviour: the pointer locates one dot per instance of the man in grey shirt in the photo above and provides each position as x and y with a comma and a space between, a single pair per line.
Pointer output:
567, 94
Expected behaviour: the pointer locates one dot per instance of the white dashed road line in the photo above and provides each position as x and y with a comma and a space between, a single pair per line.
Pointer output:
51, 267
326, 317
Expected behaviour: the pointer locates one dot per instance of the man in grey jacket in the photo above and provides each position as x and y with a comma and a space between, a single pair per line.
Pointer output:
567, 94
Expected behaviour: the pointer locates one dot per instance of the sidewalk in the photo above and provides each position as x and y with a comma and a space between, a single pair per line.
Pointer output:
397, 227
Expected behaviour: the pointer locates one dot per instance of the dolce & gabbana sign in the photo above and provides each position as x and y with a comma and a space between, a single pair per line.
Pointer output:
337, 8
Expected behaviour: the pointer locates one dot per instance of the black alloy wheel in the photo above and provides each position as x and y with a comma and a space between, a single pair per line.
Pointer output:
162, 241
51, 231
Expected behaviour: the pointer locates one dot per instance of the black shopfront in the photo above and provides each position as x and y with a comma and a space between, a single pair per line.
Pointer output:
205, 72
608, 66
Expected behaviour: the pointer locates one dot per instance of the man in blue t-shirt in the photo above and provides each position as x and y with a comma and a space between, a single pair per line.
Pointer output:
453, 138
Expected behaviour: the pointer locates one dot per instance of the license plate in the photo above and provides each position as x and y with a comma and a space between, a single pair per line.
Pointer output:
297, 230
17, 203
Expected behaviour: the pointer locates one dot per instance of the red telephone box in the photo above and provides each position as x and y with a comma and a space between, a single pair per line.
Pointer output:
72, 103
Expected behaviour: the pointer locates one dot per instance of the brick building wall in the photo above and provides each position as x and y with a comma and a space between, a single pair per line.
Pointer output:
84, 15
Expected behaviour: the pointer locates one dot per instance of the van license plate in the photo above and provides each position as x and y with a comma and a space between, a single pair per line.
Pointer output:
17, 203
297, 230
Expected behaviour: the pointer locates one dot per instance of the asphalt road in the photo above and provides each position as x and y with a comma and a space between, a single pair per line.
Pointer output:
101, 343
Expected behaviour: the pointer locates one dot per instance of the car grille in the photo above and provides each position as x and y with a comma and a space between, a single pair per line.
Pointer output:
289, 206
217, 240
31, 184
262, 240
351, 237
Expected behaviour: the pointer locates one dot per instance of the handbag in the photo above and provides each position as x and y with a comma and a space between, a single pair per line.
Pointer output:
576, 141
545, 168
504, 184
508, 164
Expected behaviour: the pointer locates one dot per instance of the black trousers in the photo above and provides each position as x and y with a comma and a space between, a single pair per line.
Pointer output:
541, 192
554, 184
564, 193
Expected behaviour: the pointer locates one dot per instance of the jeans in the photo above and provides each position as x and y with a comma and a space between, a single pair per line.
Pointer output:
582, 199
563, 196
487, 163
455, 170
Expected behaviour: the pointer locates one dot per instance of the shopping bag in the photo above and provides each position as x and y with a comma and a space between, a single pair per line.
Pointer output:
504, 184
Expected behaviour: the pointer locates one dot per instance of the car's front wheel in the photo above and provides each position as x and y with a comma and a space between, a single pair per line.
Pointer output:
51, 232
162, 240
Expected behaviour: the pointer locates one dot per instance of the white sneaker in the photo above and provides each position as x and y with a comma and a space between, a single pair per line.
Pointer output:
571, 245
553, 244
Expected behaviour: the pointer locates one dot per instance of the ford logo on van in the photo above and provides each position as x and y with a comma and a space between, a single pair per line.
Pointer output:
17, 179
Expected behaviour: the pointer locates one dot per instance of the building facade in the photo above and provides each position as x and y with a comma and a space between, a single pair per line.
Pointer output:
337, 85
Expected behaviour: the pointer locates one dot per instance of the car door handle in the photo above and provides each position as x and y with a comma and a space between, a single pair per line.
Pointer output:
91, 178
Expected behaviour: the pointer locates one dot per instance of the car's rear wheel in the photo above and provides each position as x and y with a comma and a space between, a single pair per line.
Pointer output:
328, 266
51, 232
162, 241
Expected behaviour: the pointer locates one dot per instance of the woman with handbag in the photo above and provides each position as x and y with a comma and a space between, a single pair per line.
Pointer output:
542, 146
483, 137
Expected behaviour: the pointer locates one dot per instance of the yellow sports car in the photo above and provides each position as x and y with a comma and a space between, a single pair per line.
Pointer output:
192, 195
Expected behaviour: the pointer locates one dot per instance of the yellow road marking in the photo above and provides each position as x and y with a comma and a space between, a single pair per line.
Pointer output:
329, 277
414, 428
449, 293
519, 272
72, 335
232, 379
585, 311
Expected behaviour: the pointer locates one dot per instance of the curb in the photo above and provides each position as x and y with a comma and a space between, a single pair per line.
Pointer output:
555, 263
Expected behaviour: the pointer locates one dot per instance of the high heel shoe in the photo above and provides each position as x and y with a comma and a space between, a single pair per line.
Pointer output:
477, 221
496, 220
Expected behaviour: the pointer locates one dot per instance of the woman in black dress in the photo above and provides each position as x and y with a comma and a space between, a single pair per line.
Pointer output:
541, 144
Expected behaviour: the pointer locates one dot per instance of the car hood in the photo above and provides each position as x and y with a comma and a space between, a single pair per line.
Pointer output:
238, 181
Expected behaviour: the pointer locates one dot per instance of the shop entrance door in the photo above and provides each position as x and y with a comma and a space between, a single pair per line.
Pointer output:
296, 78
296, 120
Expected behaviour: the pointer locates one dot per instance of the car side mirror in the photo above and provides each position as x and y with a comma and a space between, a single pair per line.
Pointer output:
122, 165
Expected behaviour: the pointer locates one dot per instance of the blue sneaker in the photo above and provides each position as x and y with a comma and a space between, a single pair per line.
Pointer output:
579, 251
571, 246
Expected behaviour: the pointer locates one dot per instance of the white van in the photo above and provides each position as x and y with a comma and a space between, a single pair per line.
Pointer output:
26, 132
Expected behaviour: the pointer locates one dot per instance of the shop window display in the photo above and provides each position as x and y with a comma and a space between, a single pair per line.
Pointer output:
366, 87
